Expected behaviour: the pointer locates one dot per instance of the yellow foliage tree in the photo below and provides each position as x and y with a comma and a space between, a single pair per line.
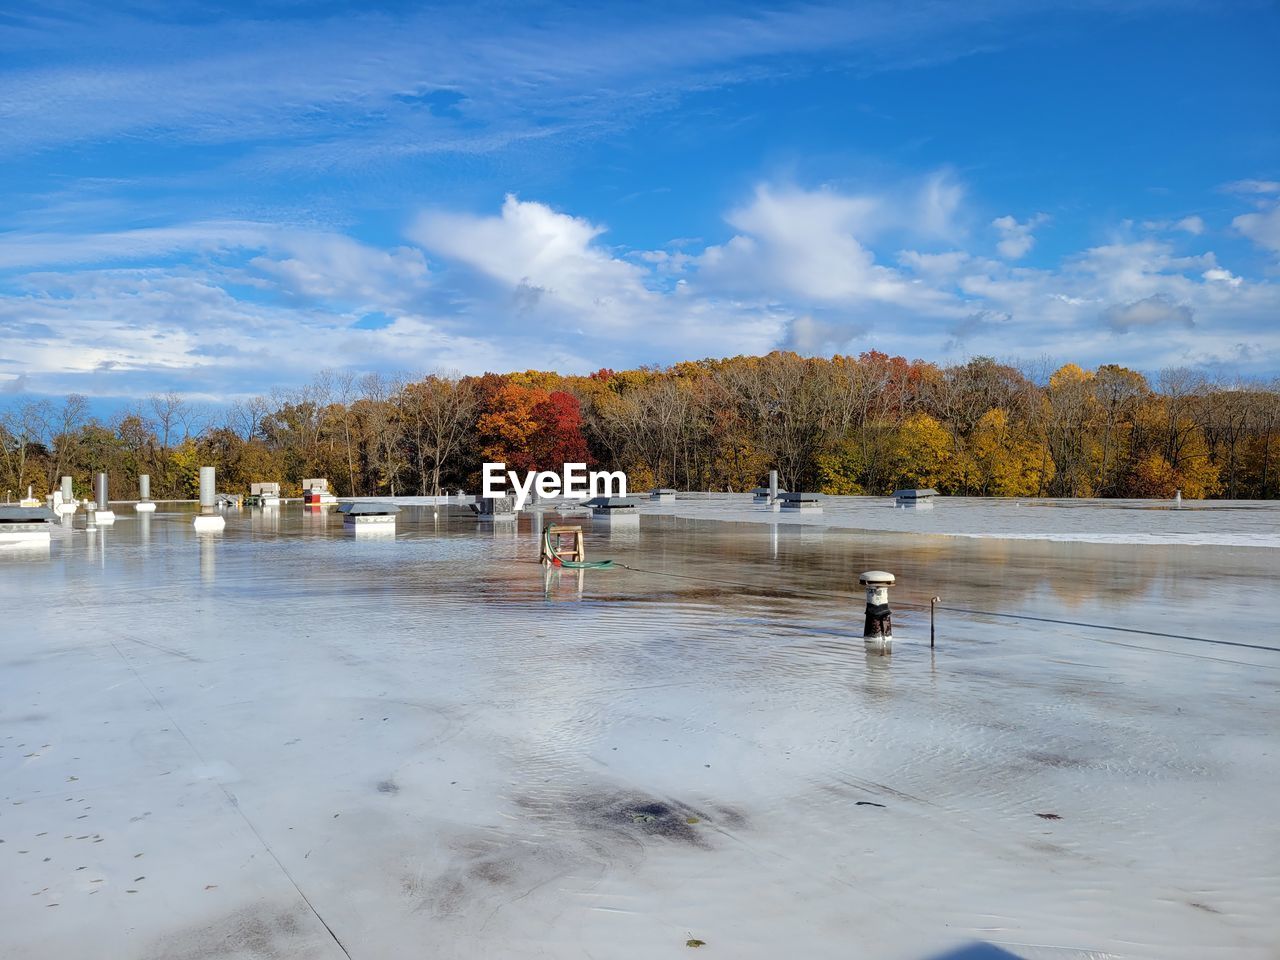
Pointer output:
185, 466
1069, 375
509, 426
1072, 428
839, 470
923, 453
1004, 461
1197, 476
1154, 477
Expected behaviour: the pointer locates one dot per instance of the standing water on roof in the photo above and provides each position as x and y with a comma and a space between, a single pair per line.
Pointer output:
283, 741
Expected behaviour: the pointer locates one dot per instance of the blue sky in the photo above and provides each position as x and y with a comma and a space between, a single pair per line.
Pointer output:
220, 199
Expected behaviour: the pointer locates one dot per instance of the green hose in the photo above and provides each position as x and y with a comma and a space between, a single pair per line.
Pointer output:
556, 561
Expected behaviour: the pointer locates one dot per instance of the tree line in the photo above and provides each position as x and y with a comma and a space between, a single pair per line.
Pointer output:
845, 425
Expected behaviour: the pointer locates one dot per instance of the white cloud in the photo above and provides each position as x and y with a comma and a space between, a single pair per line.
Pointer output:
223, 306
1123, 272
979, 322
1151, 312
32, 249
1192, 225
332, 267
1219, 275
548, 262
1016, 238
938, 205
133, 331
1082, 309
1263, 228
936, 266
809, 245
1253, 186
306, 263
547, 269
812, 337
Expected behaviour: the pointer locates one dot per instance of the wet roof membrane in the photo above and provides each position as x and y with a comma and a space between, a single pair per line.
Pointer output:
263, 740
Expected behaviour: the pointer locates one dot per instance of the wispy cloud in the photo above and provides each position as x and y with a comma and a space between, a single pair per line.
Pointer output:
361, 82
1263, 228
1247, 187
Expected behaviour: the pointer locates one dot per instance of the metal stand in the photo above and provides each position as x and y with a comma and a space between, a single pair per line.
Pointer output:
575, 551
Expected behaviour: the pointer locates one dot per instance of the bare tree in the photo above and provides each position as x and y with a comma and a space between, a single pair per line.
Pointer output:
169, 411
195, 419
245, 417
344, 382
1226, 411
296, 424
384, 427
653, 418
789, 405
441, 411
1182, 391
22, 428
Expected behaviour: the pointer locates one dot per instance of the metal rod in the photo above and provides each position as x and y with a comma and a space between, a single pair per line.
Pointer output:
932, 605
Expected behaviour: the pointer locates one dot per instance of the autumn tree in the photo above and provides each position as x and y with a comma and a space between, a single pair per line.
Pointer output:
1005, 459
1118, 393
923, 454
528, 428
787, 402
846, 425
1071, 432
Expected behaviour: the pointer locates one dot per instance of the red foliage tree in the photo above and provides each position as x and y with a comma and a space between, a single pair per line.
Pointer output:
531, 429
559, 438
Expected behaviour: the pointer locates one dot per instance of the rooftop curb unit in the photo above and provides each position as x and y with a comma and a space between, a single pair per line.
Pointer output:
804, 502
315, 492
25, 525
263, 495
914, 498
369, 518
494, 509
614, 508
762, 494
664, 495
